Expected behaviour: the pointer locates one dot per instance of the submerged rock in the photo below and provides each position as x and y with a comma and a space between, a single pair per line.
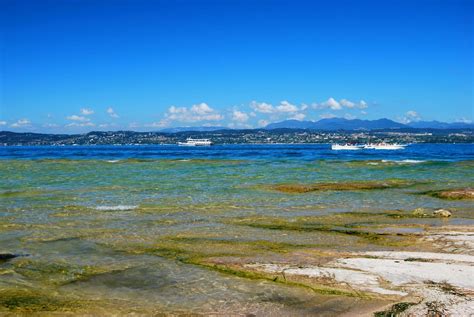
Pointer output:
452, 194
442, 213
356, 185
7, 256
420, 212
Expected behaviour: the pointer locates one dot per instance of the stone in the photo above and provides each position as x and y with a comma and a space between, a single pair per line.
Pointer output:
420, 212
442, 213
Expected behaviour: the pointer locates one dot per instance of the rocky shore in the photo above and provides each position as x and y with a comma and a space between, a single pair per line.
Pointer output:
421, 283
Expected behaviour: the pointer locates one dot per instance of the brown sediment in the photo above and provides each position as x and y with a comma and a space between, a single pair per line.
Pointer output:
451, 194
341, 186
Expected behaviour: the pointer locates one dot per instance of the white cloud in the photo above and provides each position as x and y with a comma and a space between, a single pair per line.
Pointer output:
78, 118
262, 107
332, 104
21, 123
263, 123
86, 111
80, 124
112, 113
363, 105
347, 103
177, 110
410, 116
349, 116
197, 112
3, 123
201, 109
239, 116
285, 106
298, 116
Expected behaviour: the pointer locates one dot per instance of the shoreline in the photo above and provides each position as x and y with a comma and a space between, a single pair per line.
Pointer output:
421, 282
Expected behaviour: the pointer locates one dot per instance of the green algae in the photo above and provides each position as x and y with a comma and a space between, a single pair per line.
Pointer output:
342, 186
318, 288
194, 249
193, 253
334, 224
60, 273
23, 300
22, 193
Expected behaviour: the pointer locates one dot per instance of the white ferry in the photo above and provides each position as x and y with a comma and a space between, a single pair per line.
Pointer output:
384, 146
338, 147
195, 142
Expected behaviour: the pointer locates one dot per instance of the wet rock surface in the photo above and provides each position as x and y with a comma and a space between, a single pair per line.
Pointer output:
452, 194
342, 186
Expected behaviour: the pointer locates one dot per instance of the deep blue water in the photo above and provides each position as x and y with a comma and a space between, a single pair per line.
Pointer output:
441, 152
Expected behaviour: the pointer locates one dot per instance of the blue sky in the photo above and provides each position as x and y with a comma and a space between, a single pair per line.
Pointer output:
81, 65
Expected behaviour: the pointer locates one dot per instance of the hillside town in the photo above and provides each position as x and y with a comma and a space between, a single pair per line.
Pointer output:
256, 136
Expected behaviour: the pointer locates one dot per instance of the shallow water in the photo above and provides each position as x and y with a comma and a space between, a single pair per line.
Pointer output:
133, 228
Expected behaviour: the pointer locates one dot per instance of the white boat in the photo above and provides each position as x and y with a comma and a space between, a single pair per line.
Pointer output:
384, 146
195, 142
338, 147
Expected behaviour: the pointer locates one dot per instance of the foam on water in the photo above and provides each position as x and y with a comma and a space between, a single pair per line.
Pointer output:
407, 161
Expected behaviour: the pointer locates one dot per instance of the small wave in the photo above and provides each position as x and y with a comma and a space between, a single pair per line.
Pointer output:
404, 161
118, 207
113, 161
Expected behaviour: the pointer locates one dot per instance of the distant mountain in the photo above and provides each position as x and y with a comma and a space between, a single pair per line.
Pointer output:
197, 129
440, 125
337, 124
291, 124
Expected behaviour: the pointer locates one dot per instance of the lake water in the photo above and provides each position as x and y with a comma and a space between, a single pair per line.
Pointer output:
104, 229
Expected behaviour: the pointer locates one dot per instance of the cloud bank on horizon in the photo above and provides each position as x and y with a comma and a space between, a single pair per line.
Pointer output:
254, 115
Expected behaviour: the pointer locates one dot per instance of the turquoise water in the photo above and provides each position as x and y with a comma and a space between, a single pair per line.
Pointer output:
134, 228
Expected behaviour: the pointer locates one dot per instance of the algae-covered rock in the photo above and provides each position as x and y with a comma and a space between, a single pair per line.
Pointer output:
452, 194
420, 212
442, 213
355, 185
